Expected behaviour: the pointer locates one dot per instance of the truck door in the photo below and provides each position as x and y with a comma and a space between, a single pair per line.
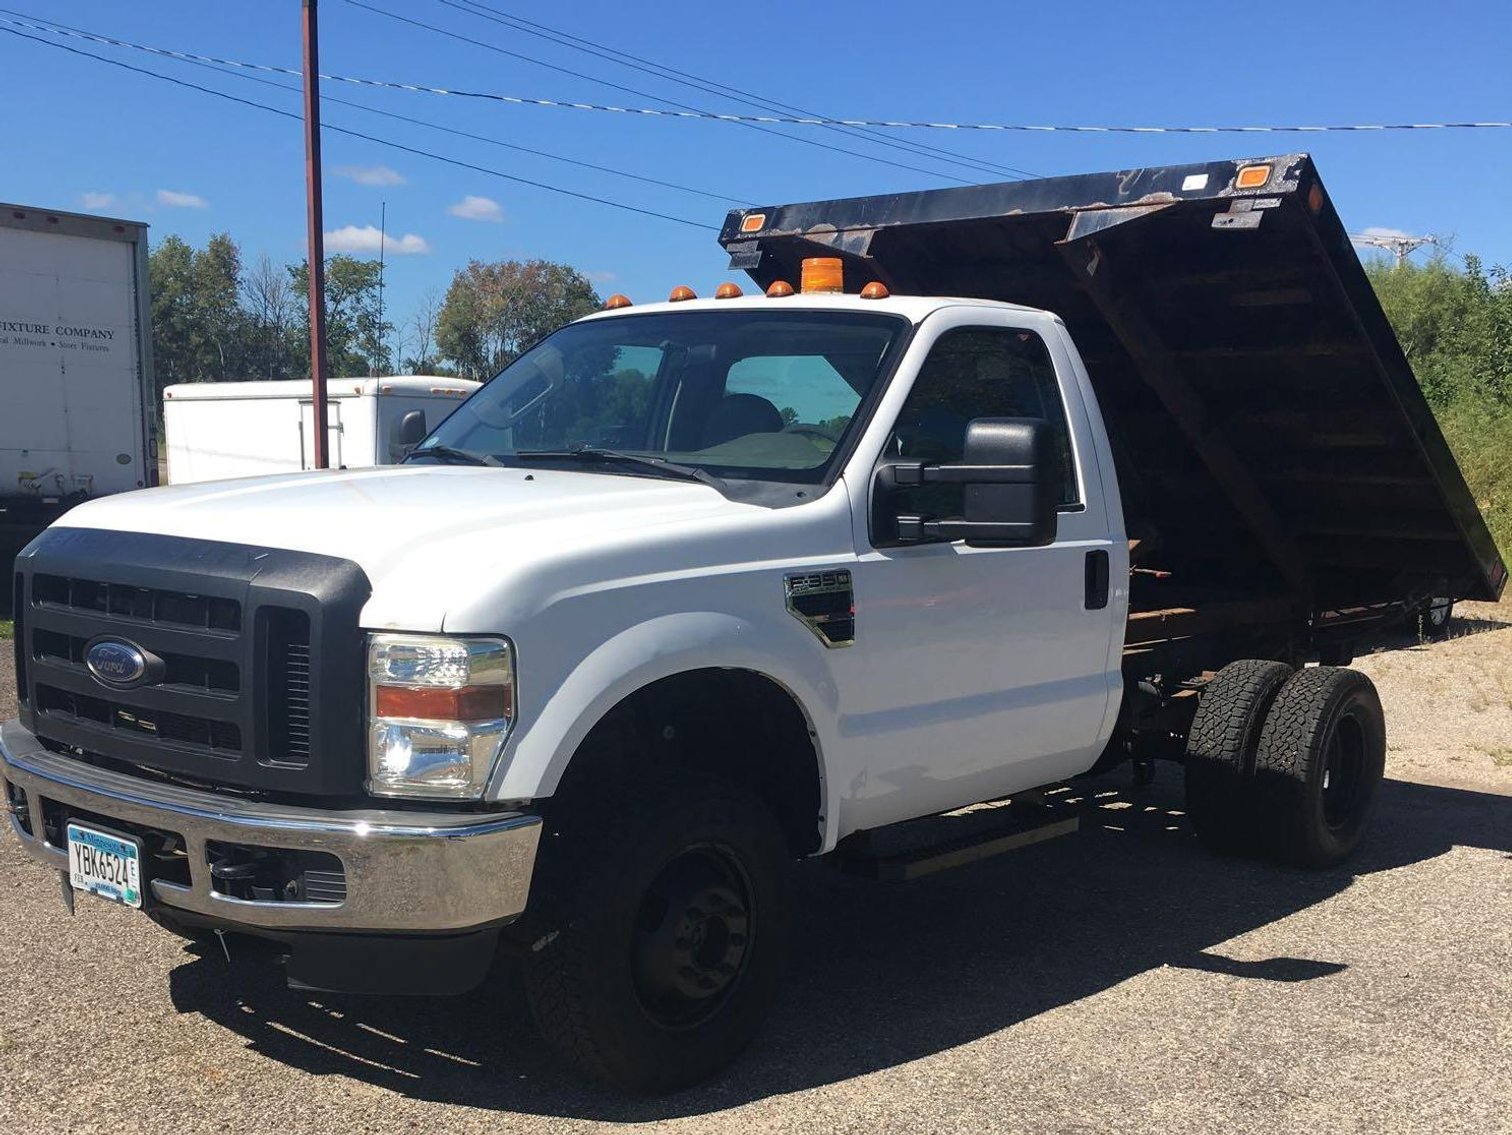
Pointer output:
977, 672
307, 434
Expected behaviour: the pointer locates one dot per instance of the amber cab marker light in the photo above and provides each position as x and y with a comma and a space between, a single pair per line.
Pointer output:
682, 292
823, 275
780, 289
617, 300
876, 290
728, 291
1252, 177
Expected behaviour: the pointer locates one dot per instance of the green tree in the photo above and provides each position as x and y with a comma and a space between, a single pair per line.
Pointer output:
199, 330
355, 335
494, 311
1455, 326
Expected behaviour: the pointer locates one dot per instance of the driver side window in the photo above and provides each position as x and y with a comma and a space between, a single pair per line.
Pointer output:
978, 372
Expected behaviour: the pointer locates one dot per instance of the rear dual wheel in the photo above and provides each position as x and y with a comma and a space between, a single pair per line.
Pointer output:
1318, 766
1285, 765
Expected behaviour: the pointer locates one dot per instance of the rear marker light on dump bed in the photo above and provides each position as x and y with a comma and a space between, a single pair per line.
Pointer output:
752, 222
1252, 177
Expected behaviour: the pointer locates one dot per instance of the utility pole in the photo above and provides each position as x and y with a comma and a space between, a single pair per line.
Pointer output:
1400, 246
314, 222
382, 359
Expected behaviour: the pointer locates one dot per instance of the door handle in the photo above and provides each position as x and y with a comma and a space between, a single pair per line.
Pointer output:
1097, 579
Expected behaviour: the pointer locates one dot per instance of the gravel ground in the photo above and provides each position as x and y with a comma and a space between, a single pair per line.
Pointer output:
1119, 980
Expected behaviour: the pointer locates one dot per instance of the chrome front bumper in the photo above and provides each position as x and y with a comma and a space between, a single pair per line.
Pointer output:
406, 872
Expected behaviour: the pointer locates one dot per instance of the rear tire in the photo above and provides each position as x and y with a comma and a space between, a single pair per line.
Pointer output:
1220, 752
1435, 618
665, 919
1319, 766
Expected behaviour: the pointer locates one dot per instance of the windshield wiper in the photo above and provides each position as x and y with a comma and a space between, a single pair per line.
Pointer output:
592, 453
450, 456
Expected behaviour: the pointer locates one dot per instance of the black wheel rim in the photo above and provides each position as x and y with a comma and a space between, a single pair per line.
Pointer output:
1343, 773
1438, 611
692, 937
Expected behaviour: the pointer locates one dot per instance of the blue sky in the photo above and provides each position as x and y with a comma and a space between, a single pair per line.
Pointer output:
84, 135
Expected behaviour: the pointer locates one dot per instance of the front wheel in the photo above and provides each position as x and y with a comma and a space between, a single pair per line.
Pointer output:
665, 922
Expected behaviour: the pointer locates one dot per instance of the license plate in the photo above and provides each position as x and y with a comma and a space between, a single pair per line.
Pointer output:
104, 864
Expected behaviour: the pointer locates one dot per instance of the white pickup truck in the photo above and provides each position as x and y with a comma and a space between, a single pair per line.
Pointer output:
694, 589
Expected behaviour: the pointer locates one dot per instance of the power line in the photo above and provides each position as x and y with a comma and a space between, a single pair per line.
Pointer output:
654, 112
204, 61
1400, 245
714, 87
364, 136
751, 122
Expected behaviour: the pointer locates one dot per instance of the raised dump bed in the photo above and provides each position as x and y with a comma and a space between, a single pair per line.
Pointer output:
1276, 456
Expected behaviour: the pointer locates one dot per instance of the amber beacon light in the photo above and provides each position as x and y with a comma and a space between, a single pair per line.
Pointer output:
823, 275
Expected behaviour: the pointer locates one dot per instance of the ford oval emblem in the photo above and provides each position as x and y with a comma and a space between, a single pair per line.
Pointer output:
117, 664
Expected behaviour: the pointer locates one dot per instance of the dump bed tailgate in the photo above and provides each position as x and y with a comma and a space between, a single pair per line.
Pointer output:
1267, 426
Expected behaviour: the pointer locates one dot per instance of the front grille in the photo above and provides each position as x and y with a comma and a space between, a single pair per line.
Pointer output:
212, 675
171, 608
255, 677
287, 639
220, 738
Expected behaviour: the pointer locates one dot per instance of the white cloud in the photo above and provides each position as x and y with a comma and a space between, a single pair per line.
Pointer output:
98, 200
1385, 233
181, 200
601, 277
367, 239
370, 175
477, 209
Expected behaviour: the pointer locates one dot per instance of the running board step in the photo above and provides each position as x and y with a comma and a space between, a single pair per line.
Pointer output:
859, 855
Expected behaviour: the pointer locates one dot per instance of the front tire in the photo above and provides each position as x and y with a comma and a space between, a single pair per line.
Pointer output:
666, 920
1319, 765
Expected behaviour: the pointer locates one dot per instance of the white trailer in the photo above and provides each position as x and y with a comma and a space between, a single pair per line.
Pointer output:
75, 365
218, 430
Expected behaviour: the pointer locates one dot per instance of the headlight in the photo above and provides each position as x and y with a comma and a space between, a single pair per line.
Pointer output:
440, 710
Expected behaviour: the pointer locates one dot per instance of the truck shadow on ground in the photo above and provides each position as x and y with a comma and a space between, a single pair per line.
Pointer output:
882, 973
1408, 638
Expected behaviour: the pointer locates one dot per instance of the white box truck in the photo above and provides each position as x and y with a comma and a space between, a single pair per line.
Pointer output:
217, 430
75, 365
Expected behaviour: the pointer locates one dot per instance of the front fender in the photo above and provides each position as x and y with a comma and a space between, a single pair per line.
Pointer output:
658, 648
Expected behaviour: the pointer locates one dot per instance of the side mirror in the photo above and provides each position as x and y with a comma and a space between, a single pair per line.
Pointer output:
1011, 478
410, 432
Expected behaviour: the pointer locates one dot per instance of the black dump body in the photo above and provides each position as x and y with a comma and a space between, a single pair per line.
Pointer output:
1274, 450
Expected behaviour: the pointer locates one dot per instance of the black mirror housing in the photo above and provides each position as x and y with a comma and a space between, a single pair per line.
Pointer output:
1023, 510
412, 428
1010, 475
408, 432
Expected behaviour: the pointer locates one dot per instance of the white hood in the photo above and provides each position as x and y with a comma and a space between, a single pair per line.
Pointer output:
421, 532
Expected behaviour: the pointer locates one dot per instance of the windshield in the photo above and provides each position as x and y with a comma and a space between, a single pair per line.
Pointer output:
759, 395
